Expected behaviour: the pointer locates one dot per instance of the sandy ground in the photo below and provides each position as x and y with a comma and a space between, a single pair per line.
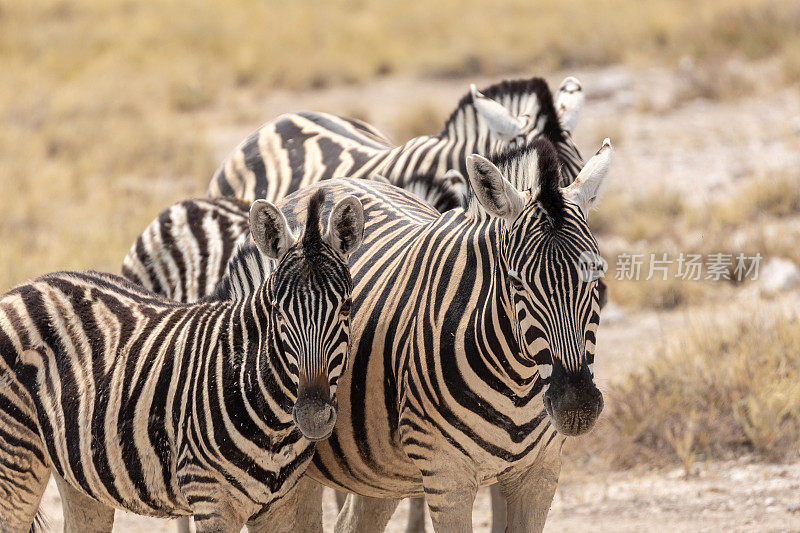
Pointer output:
664, 138
733, 496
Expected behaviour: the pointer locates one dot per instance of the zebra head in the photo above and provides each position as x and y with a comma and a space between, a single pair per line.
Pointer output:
545, 243
309, 294
525, 110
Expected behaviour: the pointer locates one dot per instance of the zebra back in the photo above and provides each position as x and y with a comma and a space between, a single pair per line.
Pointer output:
184, 251
299, 149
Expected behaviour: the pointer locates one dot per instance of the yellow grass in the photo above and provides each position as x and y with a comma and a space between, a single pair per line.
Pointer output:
724, 389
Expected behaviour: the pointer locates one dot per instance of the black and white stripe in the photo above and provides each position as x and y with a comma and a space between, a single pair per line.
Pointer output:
184, 252
138, 402
473, 337
298, 149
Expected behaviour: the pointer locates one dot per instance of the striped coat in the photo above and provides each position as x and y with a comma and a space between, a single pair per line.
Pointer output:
137, 402
473, 342
298, 149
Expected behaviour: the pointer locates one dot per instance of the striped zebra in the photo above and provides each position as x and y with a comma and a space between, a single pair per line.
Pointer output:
473, 345
184, 252
211, 409
298, 149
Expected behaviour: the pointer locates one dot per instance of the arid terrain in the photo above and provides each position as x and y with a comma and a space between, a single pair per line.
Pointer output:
682, 131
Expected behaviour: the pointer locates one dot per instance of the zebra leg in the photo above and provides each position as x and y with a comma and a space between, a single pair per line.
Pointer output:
451, 508
416, 516
24, 468
300, 510
217, 514
341, 497
19, 500
83, 514
362, 514
184, 525
309, 505
499, 510
530, 494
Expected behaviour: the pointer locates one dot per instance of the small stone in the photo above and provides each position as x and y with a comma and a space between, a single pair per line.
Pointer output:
778, 275
794, 508
769, 501
612, 314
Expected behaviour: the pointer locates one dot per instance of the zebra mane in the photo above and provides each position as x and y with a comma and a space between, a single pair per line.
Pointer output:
508, 90
246, 271
442, 194
517, 166
312, 237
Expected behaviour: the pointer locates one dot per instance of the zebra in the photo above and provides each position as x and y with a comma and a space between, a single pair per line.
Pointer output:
207, 232
166, 409
473, 345
298, 149
301, 148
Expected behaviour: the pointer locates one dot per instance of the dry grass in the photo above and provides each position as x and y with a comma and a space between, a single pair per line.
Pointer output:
724, 389
425, 119
761, 216
656, 215
775, 195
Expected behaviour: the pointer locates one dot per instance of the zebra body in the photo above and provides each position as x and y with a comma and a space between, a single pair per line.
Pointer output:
298, 149
184, 252
473, 341
165, 409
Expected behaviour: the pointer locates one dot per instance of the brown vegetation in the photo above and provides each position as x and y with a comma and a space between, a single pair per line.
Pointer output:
724, 389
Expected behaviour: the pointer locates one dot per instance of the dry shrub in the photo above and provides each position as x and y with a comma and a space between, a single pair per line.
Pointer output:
425, 119
663, 295
776, 195
725, 389
716, 79
652, 216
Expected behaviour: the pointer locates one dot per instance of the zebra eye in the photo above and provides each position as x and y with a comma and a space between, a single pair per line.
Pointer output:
344, 311
516, 283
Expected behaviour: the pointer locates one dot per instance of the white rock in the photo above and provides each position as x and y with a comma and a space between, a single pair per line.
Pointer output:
611, 314
778, 275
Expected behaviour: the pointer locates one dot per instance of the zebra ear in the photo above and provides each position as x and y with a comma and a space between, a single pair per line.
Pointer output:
346, 226
493, 191
587, 187
380, 178
269, 230
569, 102
454, 178
501, 122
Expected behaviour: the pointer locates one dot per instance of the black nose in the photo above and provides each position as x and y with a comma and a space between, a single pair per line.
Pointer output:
315, 419
573, 402
314, 413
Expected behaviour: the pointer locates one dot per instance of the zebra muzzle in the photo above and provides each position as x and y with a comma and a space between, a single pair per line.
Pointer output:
314, 412
573, 403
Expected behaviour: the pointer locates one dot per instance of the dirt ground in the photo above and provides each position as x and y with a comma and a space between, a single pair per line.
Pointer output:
664, 136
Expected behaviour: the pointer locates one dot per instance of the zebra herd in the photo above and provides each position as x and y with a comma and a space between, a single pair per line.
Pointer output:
437, 336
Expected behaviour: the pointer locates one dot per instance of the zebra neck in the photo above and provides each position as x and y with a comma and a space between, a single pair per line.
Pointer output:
428, 155
253, 370
490, 316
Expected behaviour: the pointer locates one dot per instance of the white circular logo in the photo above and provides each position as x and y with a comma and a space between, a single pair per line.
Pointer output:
592, 266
